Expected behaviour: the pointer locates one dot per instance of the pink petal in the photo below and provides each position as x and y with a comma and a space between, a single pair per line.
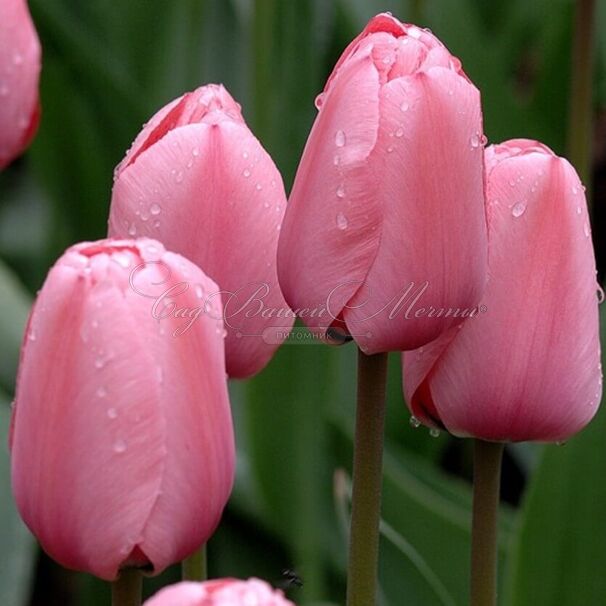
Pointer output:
332, 230
528, 368
210, 192
19, 73
428, 159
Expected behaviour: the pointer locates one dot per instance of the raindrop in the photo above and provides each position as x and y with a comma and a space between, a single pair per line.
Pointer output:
95, 323
132, 230
112, 413
414, 422
579, 211
475, 140
404, 107
390, 149
245, 155
258, 187
246, 173
342, 221
99, 363
518, 209
32, 335
336, 160
575, 190
586, 230
156, 224
414, 32
340, 191
119, 446
266, 204
601, 295
195, 152
178, 176
340, 138
155, 209
190, 163
434, 433
399, 132
199, 290
101, 392
512, 183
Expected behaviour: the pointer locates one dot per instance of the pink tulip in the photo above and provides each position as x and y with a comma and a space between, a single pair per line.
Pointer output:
220, 592
386, 216
19, 73
198, 180
527, 367
122, 443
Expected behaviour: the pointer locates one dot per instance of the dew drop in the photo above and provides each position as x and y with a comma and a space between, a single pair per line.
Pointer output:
575, 190
119, 446
112, 413
99, 363
399, 132
390, 149
342, 222
155, 209
245, 155
258, 187
266, 204
601, 295
157, 224
434, 433
518, 209
336, 160
199, 290
340, 191
190, 163
475, 140
246, 173
132, 230
579, 211
414, 32
586, 230
195, 152
404, 107
340, 138
178, 176
31, 336
414, 422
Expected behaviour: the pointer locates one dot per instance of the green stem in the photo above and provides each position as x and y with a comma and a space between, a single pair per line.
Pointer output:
487, 459
193, 568
580, 125
126, 590
367, 476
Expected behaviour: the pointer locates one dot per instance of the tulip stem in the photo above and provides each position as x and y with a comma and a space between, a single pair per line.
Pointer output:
127, 588
580, 125
193, 568
367, 477
487, 459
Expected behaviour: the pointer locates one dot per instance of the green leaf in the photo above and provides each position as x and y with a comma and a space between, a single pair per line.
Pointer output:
559, 551
14, 303
18, 553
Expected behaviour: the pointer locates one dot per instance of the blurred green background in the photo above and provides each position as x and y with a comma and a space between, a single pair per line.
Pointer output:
107, 67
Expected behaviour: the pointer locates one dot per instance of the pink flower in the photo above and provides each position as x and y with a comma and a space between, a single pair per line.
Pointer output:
198, 180
220, 592
122, 442
388, 200
19, 72
527, 367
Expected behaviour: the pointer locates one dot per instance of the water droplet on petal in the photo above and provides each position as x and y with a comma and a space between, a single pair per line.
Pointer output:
399, 132
199, 290
434, 433
342, 222
390, 149
112, 413
601, 295
586, 230
258, 187
119, 446
475, 140
99, 363
518, 209
404, 107
336, 160
414, 32
32, 335
575, 190
101, 392
414, 422
579, 210
155, 209
17, 58
132, 230
340, 138
195, 151
246, 173
340, 191
178, 176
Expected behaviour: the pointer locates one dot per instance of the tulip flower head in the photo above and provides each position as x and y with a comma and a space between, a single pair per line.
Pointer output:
386, 225
220, 592
122, 443
19, 74
528, 366
198, 180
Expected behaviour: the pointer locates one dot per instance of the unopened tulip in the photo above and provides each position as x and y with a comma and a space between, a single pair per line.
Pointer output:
220, 592
527, 366
386, 217
122, 442
19, 73
198, 180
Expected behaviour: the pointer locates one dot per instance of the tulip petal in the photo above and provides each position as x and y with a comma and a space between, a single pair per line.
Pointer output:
520, 371
434, 229
98, 451
19, 74
212, 193
334, 198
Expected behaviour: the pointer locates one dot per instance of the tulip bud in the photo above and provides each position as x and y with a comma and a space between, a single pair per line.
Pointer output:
527, 366
385, 225
198, 180
220, 592
19, 73
122, 442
